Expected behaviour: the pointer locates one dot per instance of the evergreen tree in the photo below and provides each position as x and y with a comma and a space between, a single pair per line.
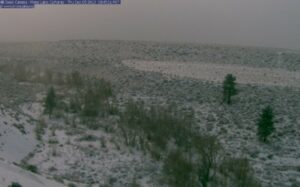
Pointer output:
229, 89
50, 101
265, 124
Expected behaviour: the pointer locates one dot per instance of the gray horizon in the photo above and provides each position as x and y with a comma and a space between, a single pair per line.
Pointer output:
262, 23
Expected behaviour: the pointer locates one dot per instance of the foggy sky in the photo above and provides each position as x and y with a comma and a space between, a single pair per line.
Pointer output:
274, 23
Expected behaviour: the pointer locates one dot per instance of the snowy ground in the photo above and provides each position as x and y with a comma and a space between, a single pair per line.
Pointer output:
216, 72
100, 161
16, 136
10, 173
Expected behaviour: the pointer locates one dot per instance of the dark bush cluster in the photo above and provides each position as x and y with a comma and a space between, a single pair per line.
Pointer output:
95, 98
240, 172
89, 99
15, 184
156, 124
193, 160
29, 167
26, 73
179, 170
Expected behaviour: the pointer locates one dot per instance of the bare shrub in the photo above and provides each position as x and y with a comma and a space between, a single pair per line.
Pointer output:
178, 170
40, 129
21, 73
50, 101
208, 148
74, 79
96, 97
156, 124
48, 76
240, 171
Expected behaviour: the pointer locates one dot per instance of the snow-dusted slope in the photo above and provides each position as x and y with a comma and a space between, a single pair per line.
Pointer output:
264, 77
10, 173
16, 135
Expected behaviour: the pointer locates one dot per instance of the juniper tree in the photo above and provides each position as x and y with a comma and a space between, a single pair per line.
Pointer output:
265, 125
229, 89
50, 101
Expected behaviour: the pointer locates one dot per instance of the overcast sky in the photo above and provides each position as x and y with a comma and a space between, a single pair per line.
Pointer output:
274, 23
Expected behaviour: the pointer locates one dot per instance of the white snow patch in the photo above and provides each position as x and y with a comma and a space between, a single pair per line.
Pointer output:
15, 145
10, 173
217, 72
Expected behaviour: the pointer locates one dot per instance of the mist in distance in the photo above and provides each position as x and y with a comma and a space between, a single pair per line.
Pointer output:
269, 23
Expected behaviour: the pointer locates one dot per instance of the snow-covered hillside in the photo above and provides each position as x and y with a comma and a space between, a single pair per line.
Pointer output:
71, 150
